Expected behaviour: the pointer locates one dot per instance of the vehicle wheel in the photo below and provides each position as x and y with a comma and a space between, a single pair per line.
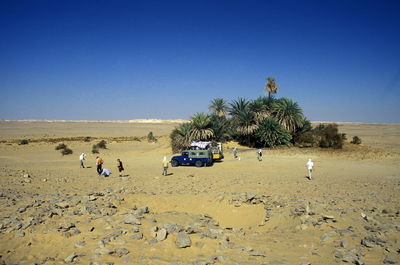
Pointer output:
174, 163
198, 163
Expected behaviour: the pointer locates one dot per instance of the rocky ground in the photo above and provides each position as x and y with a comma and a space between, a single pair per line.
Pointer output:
236, 212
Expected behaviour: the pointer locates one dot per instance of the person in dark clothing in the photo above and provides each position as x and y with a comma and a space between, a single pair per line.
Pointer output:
120, 167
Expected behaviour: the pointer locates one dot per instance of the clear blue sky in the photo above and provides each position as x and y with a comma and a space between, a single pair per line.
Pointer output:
118, 60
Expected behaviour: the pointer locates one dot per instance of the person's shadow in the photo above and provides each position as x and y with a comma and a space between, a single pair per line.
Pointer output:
88, 167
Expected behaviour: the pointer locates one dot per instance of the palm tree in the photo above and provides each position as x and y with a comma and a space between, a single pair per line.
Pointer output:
271, 133
238, 106
180, 137
270, 86
222, 128
245, 124
218, 107
261, 109
288, 113
201, 127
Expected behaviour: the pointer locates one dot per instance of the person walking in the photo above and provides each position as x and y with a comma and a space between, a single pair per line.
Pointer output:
165, 166
259, 155
81, 159
234, 151
310, 165
99, 165
120, 167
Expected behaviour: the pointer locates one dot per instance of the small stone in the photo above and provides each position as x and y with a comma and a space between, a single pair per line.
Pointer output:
121, 252
105, 251
161, 234
101, 244
70, 258
62, 205
327, 217
135, 229
327, 236
257, 253
389, 260
138, 236
80, 244
183, 240
130, 219
344, 244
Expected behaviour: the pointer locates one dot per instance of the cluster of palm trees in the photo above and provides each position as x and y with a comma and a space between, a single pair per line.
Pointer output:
263, 122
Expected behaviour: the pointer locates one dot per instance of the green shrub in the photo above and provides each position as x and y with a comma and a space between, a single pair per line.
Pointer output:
329, 136
356, 140
61, 147
102, 144
151, 138
66, 151
271, 134
180, 137
87, 139
324, 136
24, 141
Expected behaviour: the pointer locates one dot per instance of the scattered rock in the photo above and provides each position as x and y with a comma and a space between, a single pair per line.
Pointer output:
183, 240
71, 258
389, 260
138, 236
121, 252
131, 219
161, 234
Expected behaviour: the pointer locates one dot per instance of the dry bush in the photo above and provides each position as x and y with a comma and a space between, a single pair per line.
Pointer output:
61, 147
136, 139
87, 139
24, 141
66, 151
356, 140
151, 138
102, 144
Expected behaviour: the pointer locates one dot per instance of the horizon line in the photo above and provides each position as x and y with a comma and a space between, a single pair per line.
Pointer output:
150, 120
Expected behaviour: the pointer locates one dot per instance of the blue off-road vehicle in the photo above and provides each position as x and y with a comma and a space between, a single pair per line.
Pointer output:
198, 158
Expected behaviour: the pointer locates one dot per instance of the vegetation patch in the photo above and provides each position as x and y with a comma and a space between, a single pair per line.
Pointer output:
23, 142
356, 140
263, 122
151, 138
64, 150
61, 147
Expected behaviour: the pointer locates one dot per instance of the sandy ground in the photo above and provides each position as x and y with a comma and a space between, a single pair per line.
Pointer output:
235, 212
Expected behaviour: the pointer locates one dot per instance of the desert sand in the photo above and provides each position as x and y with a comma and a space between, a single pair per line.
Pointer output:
235, 212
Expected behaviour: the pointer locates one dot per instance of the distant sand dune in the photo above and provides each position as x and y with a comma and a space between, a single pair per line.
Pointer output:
85, 121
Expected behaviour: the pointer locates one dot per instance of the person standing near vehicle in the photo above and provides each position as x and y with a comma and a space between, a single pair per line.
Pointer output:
234, 151
259, 155
99, 165
120, 167
81, 158
310, 165
165, 166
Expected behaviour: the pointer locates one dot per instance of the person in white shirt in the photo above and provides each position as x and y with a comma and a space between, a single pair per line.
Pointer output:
106, 172
81, 158
310, 165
